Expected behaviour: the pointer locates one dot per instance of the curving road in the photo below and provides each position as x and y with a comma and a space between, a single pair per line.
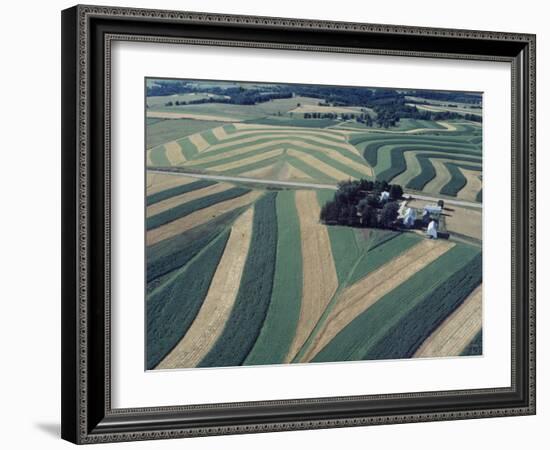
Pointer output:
299, 185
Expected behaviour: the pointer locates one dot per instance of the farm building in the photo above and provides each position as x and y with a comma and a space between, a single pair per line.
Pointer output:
431, 232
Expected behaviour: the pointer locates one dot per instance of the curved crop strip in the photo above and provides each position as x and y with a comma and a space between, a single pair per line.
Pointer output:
249, 311
420, 322
238, 135
458, 180
313, 123
178, 190
398, 323
309, 170
172, 308
398, 165
428, 172
383, 253
377, 152
194, 205
284, 309
255, 142
477, 140
173, 253
252, 166
325, 132
188, 149
475, 347
158, 158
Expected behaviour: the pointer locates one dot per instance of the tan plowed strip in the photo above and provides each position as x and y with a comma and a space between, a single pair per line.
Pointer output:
447, 125
285, 129
363, 168
473, 184
319, 280
219, 133
246, 161
229, 154
157, 182
177, 115
246, 137
262, 172
456, 331
199, 142
362, 295
149, 160
442, 176
217, 305
319, 165
187, 197
173, 153
199, 217
293, 173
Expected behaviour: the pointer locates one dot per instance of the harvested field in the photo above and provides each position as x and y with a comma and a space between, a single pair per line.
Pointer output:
464, 221
396, 325
157, 182
319, 165
247, 161
199, 217
473, 184
173, 153
242, 327
282, 316
442, 176
172, 202
217, 305
456, 331
360, 296
177, 190
181, 115
198, 141
172, 306
319, 273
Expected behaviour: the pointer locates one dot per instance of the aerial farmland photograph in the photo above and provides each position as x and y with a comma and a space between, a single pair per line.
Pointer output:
302, 223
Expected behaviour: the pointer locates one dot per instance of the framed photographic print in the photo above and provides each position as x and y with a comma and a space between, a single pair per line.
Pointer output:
281, 224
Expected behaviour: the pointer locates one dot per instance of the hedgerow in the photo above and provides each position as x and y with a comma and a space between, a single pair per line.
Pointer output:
178, 190
247, 317
397, 323
172, 308
187, 208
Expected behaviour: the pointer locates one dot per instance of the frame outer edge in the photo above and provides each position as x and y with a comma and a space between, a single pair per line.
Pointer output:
69, 290
75, 184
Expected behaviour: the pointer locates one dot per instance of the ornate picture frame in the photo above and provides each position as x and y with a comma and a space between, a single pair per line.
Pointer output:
88, 33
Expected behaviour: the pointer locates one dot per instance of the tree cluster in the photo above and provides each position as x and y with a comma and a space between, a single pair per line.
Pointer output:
358, 203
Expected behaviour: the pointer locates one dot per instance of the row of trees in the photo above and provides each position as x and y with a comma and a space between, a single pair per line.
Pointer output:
360, 203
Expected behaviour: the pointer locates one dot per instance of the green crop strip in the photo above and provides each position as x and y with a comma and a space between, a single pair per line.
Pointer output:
397, 324
458, 180
284, 310
188, 148
178, 190
173, 253
158, 157
382, 254
185, 209
172, 308
475, 347
249, 311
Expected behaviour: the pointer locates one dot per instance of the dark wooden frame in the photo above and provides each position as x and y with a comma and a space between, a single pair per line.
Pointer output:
87, 33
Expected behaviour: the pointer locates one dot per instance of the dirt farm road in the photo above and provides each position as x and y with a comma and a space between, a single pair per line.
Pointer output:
296, 184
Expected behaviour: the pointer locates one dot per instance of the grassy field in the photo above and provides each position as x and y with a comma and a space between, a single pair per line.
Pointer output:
300, 291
